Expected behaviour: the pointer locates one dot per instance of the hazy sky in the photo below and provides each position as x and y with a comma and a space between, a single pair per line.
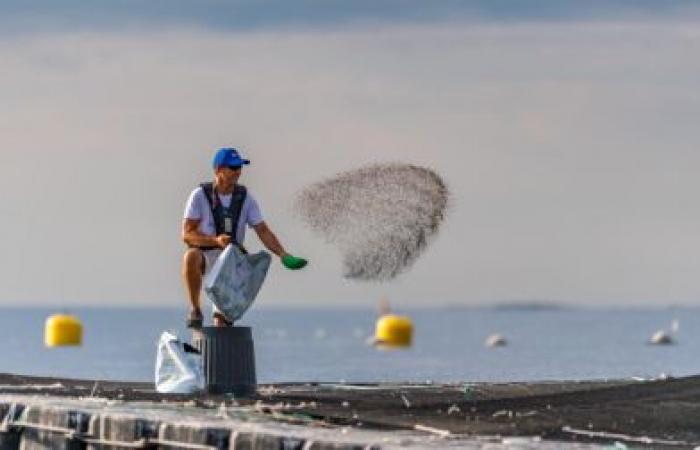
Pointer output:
568, 135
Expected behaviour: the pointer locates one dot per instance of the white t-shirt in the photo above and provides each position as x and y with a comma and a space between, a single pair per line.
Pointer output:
198, 209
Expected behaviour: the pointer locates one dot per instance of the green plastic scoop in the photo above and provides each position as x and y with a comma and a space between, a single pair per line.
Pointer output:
293, 262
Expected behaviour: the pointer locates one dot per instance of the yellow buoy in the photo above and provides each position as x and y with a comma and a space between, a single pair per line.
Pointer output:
394, 331
63, 329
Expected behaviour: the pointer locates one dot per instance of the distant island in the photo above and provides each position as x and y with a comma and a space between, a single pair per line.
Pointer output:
530, 306
533, 305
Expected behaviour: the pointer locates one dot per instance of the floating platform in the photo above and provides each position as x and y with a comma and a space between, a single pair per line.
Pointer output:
42, 413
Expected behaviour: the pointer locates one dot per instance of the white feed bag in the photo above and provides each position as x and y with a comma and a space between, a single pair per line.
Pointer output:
178, 366
235, 280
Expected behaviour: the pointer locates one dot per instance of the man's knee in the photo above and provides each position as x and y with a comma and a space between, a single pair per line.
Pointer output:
193, 260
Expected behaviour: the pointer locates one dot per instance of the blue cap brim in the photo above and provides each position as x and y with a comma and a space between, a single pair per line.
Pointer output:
239, 162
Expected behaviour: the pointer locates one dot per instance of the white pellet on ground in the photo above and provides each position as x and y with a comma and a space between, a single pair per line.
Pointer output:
381, 217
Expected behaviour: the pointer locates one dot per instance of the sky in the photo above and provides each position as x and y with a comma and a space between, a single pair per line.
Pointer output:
566, 131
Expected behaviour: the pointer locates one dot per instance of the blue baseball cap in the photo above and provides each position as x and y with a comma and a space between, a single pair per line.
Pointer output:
227, 157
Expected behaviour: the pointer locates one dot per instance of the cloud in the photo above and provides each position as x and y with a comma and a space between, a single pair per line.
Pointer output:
40, 16
570, 149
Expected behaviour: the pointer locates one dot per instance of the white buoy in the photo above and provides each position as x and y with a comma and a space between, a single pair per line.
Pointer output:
496, 340
661, 337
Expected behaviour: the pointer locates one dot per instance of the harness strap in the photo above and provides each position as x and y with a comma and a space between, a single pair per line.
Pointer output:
219, 212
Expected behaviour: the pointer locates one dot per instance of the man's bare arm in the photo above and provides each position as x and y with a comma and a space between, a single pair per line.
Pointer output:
268, 238
193, 238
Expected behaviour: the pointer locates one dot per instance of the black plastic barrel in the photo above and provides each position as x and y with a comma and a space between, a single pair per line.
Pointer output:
229, 359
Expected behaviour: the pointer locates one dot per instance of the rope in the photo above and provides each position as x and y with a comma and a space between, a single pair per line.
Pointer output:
182, 444
623, 437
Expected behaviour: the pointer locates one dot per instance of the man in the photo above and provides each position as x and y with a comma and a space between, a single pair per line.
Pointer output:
216, 215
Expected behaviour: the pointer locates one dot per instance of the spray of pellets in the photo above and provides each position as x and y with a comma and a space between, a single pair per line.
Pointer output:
381, 217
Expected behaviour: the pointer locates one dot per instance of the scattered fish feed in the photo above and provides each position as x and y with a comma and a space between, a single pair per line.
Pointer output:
381, 217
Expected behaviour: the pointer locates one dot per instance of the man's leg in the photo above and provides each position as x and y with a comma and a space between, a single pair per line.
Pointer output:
192, 270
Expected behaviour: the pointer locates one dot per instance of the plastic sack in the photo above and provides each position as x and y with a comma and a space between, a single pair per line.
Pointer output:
178, 366
235, 280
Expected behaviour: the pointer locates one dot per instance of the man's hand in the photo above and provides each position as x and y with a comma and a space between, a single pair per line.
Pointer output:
293, 262
193, 238
270, 240
223, 240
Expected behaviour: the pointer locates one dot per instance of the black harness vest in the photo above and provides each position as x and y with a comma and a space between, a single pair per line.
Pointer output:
225, 219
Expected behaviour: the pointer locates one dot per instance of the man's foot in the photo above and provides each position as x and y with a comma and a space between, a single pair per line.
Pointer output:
221, 321
194, 319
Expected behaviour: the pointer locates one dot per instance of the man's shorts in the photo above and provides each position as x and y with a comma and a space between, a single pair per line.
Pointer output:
210, 258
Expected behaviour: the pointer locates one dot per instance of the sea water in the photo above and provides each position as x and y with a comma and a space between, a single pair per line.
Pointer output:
331, 344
